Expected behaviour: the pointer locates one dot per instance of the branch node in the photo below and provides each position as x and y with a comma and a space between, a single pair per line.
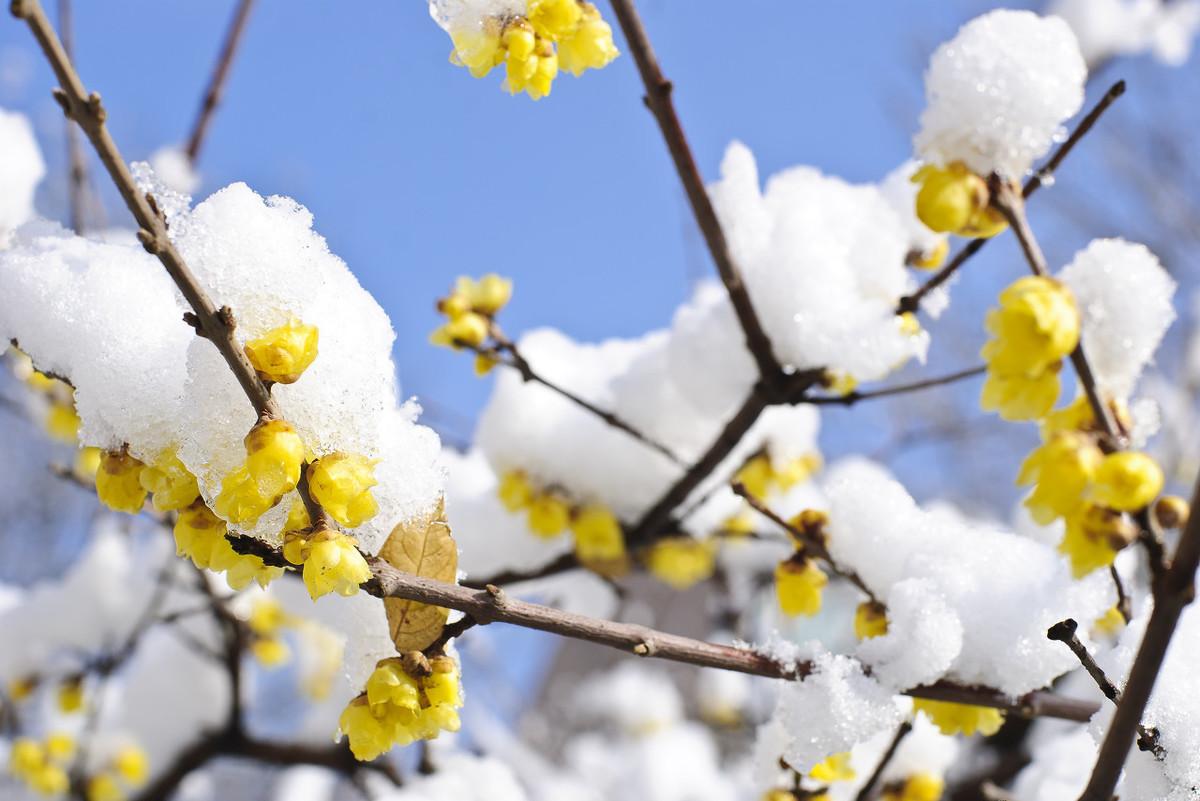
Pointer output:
63, 101
95, 108
1063, 631
19, 9
497, 594
225, 317
151, 242
191, 319
645, 648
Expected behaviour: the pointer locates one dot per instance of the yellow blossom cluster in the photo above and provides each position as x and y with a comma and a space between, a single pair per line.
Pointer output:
798, 585
682, 561
271, 469
407, 698
552, 35
331, 560
266, 622
954, 200
470, 311
835, 768
1074, 480
200, 536
952, 718
870, 620
917, 787
61, 420
127, 770
42, 765
759, 475
599, 538
1035, 326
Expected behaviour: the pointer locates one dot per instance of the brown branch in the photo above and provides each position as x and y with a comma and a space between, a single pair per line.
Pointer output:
851, 398
1173, 590
1124, 607
78, 183
1064, 632
493, 605
216, 84
867, 790
658, 100
1042, 177
812, 545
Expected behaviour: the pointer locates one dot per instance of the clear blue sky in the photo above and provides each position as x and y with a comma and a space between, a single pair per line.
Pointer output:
416, 172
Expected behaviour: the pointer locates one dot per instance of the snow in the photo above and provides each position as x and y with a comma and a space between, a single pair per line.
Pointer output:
1108, 28
998, 93
21, 169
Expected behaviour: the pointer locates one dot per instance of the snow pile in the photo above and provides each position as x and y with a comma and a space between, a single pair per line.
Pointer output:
1002, 622
174, 169
107, 317
824, 263
1108, 28
1124, 296
457, 15
21, 169
999, 92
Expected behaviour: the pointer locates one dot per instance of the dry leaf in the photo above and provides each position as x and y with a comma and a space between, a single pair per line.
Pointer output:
423, 547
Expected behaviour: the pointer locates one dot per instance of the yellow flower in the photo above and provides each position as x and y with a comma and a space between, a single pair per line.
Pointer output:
531, 63
681, 561
549, 515
274, 457
1035, 325
951, 718
1171, 511
62, 421
933, 258
798, 585
49, 780
341, 483
1110, 623
239, 499
589, 46
26, 757
1075, 416
756, 476
515, 491
60, 747
20, 689
479, 49
70, 696
839, 382
197, 533
270, 651
1127, 481
369, 736
1060, 470
87, 462
599, 541
284, 353
835, 768
172, 484
297, 519
917, 787
334, 565
870, 620
484, 364
554, 19
117, 482
242, 569
1092, 538
908, 324
390, 685
954, 200
1018, 397
738, 525
798, 470
443, 686
132, 765
104, 787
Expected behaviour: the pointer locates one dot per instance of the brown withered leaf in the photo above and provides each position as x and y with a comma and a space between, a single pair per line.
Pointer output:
423, 547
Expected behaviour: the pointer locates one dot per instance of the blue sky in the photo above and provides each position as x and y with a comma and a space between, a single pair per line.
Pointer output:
416, 172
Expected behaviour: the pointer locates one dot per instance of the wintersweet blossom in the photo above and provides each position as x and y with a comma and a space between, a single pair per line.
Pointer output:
282, 354
952, 718
798, 585
341, 483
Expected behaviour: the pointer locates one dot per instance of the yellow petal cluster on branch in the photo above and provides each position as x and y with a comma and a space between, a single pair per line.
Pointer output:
759, 475
171, 484
1035, 326
952, 718
870, 620
127, 770
470, 309
406, 699
42, 766
570, 34
917, 787
682, 561
274, 456
331, 560
118, 482
599, 540
341, 483
266, 621
200, 536
798, 585
835, 768
954, 200
283, 354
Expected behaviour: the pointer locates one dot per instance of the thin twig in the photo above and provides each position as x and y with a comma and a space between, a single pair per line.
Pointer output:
658, 99
1173, 590
518, 362
1065, 632
493, 605
1124, 607
813, 545
1042, 177
868, 789
851, 398
216, 84
77, 175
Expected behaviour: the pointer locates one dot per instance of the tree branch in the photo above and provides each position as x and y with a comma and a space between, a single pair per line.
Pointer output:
658, 100
216, 84
867, 790
851, 398
77, 174
493, 605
